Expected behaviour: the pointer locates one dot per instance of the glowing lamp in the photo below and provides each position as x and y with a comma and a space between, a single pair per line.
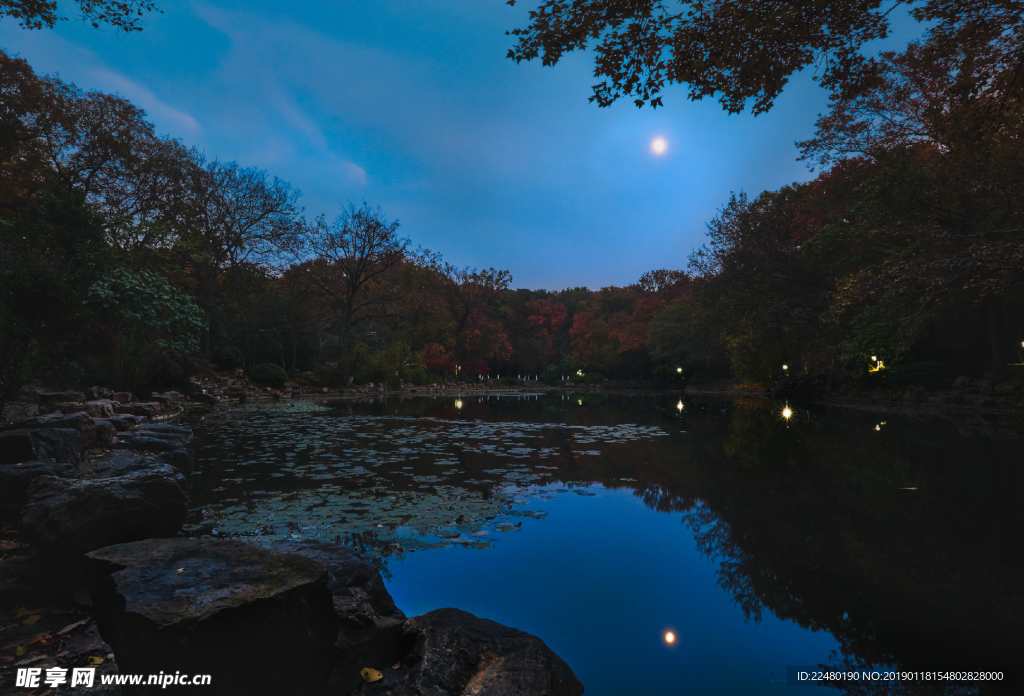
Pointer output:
458, 403
680, 405
787, 413
679, 369
785, 367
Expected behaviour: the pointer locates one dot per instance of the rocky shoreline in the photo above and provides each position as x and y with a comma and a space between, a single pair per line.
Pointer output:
93, 573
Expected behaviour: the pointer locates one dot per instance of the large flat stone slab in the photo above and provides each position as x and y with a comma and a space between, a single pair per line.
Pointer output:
258, 621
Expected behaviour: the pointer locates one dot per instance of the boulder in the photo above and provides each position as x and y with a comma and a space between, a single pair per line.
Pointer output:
79, 420
453, 653
150, 409
122, 397
257, 621
181, 433
16, 478
962, 382
121, 462
100, 409
138, 442
105, 432
125, 422
77, 516
65, 397
61, 444
184, 460
14, 411
370, 625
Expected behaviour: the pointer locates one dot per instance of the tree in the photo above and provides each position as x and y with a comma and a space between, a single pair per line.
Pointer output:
35, 14
748, 49
358, 249
148, 317
235, 220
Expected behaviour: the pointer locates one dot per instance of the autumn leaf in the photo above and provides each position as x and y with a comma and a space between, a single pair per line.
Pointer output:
95, 661
31, 620
20, 650
370, 675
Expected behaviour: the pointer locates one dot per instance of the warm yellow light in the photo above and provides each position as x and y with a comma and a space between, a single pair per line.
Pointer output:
658, 146
458, 403
873, 357
785, 367
787, 413
670, 637
680, 405
876, 368
679, 369
579, 372
580, 402
878, 427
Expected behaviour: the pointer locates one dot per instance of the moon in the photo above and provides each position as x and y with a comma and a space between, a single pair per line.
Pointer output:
658, 146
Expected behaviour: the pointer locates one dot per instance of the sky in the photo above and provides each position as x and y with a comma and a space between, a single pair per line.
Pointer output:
413, 106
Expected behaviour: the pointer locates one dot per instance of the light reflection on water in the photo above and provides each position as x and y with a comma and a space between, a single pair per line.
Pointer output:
799, 536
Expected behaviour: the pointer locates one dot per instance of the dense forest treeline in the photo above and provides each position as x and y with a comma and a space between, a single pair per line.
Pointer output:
131, 259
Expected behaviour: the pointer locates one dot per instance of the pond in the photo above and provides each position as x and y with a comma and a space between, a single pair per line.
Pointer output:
852, 538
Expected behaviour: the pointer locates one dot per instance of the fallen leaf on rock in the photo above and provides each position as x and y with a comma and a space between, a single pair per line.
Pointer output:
6, 658
396, 665
20, 650
6, 545
31, 620
71, 627
370, 675
179, 571
94, 661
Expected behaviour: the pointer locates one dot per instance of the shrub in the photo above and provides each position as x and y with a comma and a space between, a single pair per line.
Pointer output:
269, 375
228, 358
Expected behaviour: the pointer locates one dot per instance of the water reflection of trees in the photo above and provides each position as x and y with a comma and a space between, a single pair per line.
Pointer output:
811, 523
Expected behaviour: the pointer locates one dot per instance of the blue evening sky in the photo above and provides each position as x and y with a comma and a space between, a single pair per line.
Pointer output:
414, 107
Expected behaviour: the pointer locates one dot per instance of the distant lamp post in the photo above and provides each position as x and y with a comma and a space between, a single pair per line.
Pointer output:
680, 405
458, 403
580, 402
579, 372
787, 413
879, 365
679, 369
785, 367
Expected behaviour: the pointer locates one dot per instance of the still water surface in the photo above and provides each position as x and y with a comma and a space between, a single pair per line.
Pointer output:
856, 538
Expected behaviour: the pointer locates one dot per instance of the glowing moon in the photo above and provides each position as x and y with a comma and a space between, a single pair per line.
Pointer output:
658, 146
670, 637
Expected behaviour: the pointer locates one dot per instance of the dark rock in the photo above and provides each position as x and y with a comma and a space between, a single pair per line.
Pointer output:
962, 382
100, 409
141, 443
122, 397
124, 422
79, 420
184, 460
121, 462
149, 409
181, 433
16, 478
453, 653
62, 444
170, 400
67, 397
14, 411
105, 432
77, 516
34, 579
370, 625
257, 621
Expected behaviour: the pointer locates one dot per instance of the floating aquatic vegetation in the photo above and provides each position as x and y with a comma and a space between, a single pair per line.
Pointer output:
313, 472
